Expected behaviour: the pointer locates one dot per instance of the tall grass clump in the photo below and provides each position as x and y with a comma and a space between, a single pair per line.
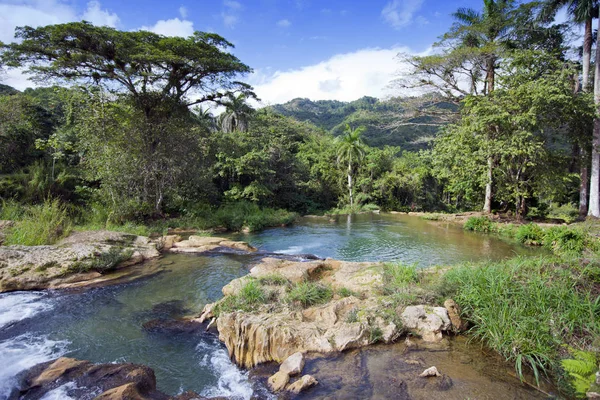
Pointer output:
479, 224
565, 240
41, 224
11, 210
530, 234
527, 309
397, 275
309, 294
248, 298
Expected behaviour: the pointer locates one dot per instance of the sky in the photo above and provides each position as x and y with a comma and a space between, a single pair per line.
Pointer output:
322, 50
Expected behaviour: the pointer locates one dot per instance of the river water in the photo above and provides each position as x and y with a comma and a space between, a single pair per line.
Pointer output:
105, 324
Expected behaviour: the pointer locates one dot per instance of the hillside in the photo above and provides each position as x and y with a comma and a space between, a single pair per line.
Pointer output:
376, 116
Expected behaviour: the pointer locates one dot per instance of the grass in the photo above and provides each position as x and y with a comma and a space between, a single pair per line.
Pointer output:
251, 295
273, 279
309, 294
398, 275
572, 241
345, 292
479, 224
528, 309
39, 224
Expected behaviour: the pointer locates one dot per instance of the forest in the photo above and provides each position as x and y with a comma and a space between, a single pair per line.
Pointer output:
122, 128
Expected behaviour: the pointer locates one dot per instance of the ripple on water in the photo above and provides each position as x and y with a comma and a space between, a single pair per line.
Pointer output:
23, 352
232, 381
16, 307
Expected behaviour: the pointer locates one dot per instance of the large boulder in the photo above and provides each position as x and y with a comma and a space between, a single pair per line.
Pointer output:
73, 261
278, 381
425, 321
202, 244
293, 365
301, 384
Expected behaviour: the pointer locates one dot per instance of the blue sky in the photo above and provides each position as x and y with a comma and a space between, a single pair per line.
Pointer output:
298, 48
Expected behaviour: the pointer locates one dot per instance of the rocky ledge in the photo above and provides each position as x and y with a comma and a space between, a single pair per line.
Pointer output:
95, 258
355, 311
81, 379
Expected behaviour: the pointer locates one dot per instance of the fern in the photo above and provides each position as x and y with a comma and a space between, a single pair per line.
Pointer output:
582, 370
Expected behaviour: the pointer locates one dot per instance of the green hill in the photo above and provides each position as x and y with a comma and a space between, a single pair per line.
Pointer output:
378, 117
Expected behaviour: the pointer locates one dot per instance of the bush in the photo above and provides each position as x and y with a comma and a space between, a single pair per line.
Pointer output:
11, 210
564, 240
273, 279
250, 295
236, 216
308, 294
479, 224
567, 212
527, 309
345, 292
41, 224
530, 234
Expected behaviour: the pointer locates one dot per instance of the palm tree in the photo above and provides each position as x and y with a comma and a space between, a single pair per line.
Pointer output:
581, 12
236, 115
485, 32
594, 205
350, 150
206, 118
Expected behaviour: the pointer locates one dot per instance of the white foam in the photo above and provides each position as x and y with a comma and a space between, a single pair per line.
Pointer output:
23, 352
233, 382
61, 392
19, 306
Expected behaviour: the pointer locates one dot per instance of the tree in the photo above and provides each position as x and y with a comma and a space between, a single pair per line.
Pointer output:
237, 113
159, 76
581, 12
350, 151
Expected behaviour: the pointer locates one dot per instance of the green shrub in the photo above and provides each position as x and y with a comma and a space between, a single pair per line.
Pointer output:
250, 295
11, 210
41, 224
309, 293
479, 224
530, 234
567, 212
527, 309
565, 240
352, 316
236, 216
375, 335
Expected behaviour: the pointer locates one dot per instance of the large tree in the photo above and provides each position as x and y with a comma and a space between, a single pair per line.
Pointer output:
159, 76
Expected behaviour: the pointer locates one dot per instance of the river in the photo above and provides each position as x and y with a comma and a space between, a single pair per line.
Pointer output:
105, 324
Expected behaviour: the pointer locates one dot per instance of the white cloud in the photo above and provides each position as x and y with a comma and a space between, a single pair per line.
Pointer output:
284, 23
344, 77
17, 79
47, 12
399, 13
172, 27
183, 12
97, 16
230, 15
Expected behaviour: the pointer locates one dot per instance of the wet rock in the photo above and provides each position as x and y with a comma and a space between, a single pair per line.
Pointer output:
429, 372
172, 326
278, 381
428, 322
114, 381
201, 244
444, 383
454, 314
302, 384
592, 395
167, 242
293, 365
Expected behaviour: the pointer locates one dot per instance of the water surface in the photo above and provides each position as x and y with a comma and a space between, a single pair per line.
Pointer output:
385, 237
104, 325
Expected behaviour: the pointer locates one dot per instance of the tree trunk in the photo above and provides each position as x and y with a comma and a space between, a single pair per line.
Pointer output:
487, 207
584, 176
587, 54
594, 204
491, 73
350, 184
